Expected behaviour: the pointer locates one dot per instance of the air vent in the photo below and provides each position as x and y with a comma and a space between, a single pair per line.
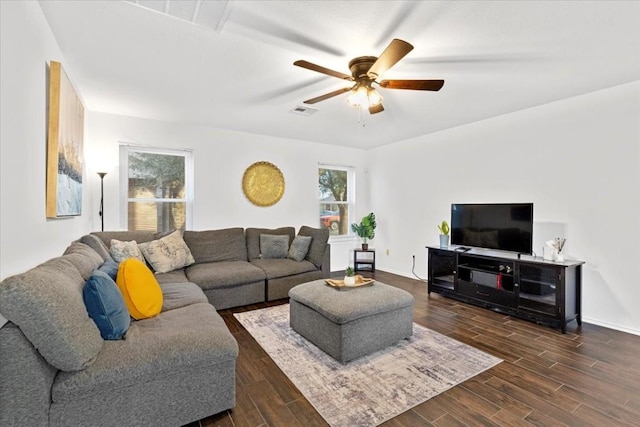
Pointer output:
304, 111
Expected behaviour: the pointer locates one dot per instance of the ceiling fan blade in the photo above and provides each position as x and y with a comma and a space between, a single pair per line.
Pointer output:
327, 95
376, 109
433, 85
396, 50
313, 67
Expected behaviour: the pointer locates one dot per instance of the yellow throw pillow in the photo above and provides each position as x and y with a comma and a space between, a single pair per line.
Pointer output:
140, 289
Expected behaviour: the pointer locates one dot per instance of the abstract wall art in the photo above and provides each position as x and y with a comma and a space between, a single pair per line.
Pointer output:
64, 146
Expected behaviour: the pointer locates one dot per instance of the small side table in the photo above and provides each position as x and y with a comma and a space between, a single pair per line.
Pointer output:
364, 260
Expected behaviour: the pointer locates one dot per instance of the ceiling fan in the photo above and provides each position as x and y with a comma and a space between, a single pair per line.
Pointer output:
365, 71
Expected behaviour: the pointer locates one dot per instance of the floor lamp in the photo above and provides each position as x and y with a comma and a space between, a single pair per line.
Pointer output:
101, 212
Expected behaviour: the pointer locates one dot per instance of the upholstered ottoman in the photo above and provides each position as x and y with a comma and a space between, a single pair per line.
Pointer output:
350, 323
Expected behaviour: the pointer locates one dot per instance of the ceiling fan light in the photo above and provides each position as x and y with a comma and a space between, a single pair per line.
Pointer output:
358, 97
364, 96
373, 97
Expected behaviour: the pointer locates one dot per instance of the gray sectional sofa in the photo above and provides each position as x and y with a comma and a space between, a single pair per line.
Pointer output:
171, 369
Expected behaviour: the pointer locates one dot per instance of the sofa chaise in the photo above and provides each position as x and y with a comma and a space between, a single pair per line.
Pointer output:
56, 370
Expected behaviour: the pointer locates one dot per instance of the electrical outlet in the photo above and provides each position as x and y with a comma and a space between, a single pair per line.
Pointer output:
387, 252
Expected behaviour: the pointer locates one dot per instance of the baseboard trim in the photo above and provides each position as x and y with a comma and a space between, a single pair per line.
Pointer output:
611, 326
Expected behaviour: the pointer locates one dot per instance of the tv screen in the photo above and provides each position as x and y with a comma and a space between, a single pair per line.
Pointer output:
502, 226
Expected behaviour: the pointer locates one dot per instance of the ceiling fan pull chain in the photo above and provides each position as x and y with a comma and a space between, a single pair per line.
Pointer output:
361, 115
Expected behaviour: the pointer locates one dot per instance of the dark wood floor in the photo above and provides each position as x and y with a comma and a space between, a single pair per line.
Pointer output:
588, 377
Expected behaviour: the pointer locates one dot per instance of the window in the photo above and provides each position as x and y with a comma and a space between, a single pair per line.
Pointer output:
336, 187
156, 190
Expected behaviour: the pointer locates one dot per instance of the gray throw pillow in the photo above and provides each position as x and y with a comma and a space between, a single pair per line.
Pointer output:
95, 243
273, 246
318, 244
299, 247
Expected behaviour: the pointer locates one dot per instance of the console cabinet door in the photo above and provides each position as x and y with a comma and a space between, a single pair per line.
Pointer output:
441, 271
540, 288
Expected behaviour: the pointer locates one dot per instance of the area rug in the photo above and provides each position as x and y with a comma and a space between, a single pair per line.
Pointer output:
371, 389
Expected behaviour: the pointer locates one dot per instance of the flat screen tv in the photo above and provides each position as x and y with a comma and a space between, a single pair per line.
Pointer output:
502, 226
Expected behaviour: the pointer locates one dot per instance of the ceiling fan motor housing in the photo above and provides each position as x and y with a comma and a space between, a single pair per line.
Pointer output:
360, 66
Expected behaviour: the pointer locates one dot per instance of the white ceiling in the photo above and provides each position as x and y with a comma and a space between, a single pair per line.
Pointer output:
230, 64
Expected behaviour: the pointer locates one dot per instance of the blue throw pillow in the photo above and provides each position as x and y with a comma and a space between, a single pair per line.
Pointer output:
106, 306
110, 267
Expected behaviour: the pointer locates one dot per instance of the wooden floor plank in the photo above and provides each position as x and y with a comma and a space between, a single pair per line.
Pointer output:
503, 401
509, 419
589, 376
532, 399
272, 408
306, 414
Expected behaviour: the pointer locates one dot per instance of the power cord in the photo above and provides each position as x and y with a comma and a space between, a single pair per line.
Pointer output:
413, 270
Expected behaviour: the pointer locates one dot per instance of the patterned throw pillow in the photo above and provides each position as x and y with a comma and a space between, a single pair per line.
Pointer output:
274, 246
299, 247
140, 289
167, 254
123, 250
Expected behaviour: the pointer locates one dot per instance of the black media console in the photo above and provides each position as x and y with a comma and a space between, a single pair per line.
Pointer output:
531, 288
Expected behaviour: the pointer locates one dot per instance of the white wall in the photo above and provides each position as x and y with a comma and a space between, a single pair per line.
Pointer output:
27, 237
220, 159
577, 160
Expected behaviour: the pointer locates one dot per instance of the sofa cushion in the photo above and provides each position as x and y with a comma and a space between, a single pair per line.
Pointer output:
168, 253
172, 343
176, 295
175, 276
140, 289
83, 258
299, 248
319, 239
275, 268
95, 243
121, 251
46, 303
106, 306
224, 274
253, 238
272, 246
217, 245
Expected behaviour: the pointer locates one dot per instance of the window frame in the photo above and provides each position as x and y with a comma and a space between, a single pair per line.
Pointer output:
125, 150
351, 197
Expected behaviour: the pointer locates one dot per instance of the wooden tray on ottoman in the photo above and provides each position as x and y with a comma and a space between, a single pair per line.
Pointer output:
360, 282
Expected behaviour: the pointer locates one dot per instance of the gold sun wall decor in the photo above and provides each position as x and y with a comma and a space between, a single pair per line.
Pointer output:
263, 184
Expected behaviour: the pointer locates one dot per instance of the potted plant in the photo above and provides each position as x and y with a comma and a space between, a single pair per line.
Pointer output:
349, 278
366, 229
444, 234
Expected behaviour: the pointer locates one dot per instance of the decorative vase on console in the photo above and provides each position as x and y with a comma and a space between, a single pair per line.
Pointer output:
557, 245
444, 234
